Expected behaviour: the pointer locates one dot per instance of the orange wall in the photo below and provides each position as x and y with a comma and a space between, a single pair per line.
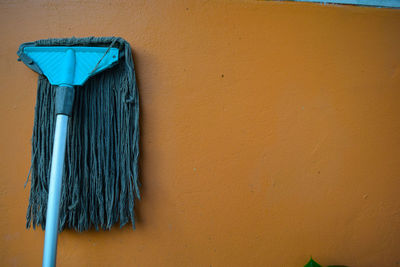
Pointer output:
271, 132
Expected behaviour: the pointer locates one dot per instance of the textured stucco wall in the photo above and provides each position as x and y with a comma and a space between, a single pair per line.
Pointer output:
271, 132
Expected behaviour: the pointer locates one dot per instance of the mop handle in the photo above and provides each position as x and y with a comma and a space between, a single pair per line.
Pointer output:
53, 203
64, 101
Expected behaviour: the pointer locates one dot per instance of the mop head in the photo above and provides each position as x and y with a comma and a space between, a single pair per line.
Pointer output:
100, 178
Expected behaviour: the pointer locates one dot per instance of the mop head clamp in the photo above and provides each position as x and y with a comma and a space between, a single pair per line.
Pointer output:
68, 65
100, 176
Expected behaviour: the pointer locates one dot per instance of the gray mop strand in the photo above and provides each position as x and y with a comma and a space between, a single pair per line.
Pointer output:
100, 179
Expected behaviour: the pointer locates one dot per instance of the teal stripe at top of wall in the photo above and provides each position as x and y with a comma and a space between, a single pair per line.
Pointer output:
374, 3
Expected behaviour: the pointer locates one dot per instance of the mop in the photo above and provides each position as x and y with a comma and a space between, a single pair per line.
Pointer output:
85, 141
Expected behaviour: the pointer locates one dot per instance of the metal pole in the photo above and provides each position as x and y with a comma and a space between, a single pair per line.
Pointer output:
53, 203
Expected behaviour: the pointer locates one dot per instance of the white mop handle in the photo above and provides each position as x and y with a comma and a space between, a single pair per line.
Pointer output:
53, 203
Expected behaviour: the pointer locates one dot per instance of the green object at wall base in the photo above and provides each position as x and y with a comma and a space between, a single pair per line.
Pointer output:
312, 263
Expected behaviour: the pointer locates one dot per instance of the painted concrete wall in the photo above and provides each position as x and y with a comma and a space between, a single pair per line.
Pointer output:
271, 132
